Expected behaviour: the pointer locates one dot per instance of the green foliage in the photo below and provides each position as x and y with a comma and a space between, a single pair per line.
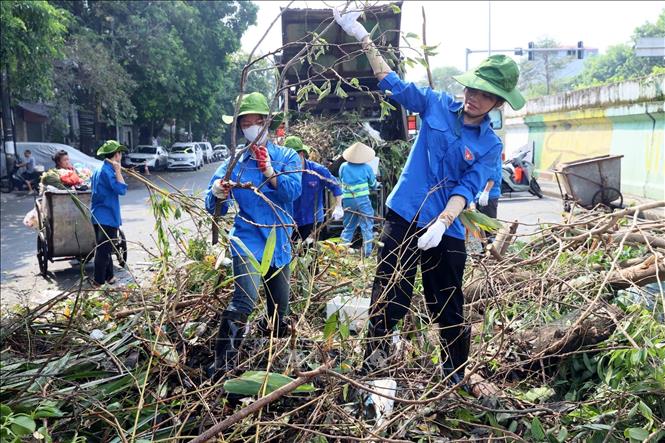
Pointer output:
252, 383
32, 38
539, 76
620, 63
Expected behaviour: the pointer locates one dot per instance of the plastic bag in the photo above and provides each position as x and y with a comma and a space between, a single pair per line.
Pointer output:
30, 220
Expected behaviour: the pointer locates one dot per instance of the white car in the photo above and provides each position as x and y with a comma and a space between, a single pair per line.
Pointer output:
208, 153
221, 152
185, 156
155, 157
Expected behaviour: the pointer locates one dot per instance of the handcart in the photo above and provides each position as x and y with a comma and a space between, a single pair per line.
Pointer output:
590, 182
65, 229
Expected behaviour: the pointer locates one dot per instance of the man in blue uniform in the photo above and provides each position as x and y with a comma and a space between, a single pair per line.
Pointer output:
316, 178
455, 153
107, 185
275, 171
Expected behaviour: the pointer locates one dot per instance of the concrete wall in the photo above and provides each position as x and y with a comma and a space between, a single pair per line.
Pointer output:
626, 118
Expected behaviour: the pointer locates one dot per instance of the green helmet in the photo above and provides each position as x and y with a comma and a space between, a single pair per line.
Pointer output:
498, 75
255, 103
110, 147
296, 144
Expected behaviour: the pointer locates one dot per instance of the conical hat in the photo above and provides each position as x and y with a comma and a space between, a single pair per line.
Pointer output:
358, 153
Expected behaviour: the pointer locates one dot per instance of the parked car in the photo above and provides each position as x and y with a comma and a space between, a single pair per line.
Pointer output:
155, 157
208, 152
185, 156
221, 152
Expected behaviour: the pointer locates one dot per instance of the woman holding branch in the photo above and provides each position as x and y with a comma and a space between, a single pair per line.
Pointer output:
264, 183
456, 152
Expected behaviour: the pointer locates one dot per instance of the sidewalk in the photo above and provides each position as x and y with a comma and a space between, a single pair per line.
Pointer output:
551, 189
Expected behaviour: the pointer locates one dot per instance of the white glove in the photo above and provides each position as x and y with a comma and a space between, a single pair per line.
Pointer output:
432, 237
220, 190
349, 23
483, 198
338, 213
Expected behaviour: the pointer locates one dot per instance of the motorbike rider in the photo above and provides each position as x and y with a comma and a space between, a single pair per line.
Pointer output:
29, 173
455, 153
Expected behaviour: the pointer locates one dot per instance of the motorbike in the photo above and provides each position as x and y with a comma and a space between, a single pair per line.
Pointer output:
517, 176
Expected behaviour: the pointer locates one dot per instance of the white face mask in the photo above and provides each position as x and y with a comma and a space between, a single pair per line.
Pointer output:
252, 132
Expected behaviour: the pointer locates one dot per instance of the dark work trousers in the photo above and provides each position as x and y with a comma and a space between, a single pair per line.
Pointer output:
442, 271
103, 252
302, 232
490, 210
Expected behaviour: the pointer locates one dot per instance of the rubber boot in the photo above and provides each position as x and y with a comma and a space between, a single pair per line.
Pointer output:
230, 335
281, 328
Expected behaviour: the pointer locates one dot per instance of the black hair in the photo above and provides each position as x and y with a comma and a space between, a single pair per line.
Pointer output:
110, 156
27, 151
58, 156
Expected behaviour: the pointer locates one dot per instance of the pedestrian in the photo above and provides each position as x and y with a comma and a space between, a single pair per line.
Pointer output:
316, 178
488, 198
275, 172
357, 178
454, 154
107, 185
29, 173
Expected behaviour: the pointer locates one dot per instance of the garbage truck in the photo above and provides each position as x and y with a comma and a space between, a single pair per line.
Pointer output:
343, 57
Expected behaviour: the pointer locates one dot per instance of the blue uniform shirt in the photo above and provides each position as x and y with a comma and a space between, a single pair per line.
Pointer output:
357, 179
254, 210
308, 208
105, 204
448, 158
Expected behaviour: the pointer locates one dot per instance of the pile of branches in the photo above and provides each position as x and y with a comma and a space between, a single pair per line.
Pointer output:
568, 345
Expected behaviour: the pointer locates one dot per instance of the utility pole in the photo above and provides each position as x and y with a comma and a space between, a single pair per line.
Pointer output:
9, 138
489, 28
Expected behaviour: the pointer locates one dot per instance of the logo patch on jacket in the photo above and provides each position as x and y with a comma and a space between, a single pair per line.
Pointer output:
468, 155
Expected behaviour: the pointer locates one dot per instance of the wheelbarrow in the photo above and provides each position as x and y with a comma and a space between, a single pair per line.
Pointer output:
65, 229
590, 182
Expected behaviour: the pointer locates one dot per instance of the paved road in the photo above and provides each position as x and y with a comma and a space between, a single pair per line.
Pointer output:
20, 278
19, 273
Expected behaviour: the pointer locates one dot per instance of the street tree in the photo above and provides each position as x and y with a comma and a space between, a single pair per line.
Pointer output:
442, 77
33, 35
540, 75
620, 63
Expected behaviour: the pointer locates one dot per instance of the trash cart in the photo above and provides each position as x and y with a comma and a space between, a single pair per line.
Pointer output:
590, 182
65, 229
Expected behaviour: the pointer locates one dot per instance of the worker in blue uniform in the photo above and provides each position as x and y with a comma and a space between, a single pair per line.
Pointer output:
107, 185
308, 208
452, 158
275, 172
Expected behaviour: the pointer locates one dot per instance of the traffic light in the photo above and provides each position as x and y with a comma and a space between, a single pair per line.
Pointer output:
580, 50
530, 53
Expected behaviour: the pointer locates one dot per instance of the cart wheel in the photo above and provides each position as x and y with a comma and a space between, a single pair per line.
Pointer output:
42, 255
121, 249
534, 188
606, 196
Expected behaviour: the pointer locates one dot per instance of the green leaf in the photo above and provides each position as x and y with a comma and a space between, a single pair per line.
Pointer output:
344, 330
562, 435
395, 8
537, 430
22, 425
5, 411
47, 412
411, 35
539, 394
268, 252
330, 326
251, 382
637, 434
645, 410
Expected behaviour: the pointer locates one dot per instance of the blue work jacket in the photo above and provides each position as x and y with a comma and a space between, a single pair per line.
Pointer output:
308, 208
106, 189
448, 157
256, 217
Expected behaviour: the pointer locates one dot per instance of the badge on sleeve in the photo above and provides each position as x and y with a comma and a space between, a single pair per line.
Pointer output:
468, 155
